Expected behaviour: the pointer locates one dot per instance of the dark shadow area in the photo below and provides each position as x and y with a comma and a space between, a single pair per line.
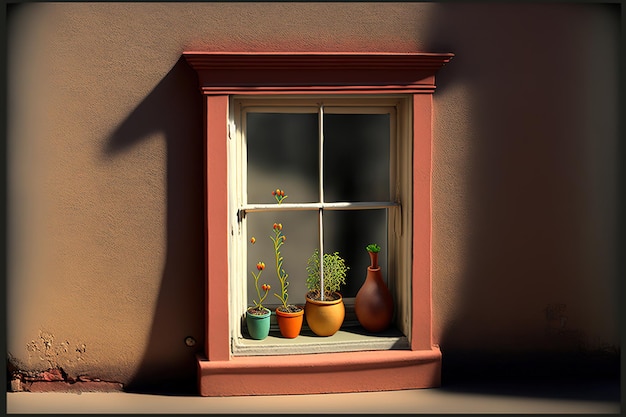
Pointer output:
535, 200
174, 108
583, 376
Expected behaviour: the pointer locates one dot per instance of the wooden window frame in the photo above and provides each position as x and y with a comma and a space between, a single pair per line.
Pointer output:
222, 75
397, 246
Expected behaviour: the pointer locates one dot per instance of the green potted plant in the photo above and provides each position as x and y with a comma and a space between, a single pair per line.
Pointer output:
257, 316
324, 308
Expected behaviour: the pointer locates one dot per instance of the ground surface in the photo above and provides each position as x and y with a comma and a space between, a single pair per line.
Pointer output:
522, 397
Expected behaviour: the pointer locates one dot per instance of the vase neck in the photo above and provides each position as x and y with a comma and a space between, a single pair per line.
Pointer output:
373, 260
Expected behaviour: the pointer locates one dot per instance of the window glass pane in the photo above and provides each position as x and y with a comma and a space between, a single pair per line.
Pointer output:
283, 153
356, 157
349, 232
301, 231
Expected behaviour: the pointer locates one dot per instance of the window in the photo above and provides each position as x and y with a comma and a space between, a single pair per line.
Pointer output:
308, 101
343, 161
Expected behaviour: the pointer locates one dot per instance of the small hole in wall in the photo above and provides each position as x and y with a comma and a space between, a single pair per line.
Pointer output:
190, 341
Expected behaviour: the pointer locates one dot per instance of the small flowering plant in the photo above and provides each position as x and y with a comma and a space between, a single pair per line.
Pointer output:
289, 317
278, 239
258, 306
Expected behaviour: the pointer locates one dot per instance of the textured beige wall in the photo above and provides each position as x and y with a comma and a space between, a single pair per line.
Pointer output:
104, 172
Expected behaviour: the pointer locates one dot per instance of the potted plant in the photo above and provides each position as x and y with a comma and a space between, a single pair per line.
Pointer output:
257, 316
288, 316
373, 304
324, 308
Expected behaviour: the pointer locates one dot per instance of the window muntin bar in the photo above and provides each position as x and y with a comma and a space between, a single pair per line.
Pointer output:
341, 205
321, 209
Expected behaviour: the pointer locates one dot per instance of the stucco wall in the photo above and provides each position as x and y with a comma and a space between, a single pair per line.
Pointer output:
105, 256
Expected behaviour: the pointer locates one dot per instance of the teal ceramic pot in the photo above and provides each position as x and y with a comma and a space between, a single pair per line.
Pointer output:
258, 324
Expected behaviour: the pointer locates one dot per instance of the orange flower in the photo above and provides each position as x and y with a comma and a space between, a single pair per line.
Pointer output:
252, 240
260, 266
279, 195
265, 287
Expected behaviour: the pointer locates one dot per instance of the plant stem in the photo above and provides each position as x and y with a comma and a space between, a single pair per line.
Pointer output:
282, 278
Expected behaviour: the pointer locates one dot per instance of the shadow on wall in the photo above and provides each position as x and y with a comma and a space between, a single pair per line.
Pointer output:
174, 107
541, 138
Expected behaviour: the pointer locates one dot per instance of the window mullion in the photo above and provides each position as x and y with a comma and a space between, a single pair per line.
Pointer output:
321, 209
321, 152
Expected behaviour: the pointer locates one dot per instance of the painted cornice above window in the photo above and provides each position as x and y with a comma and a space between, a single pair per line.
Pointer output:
316, 72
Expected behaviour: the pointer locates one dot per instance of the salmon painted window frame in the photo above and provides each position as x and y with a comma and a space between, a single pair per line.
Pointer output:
221, 77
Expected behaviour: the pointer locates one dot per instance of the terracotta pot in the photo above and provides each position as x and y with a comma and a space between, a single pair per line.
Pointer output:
258, 324
289, 323
374, 304
325, 317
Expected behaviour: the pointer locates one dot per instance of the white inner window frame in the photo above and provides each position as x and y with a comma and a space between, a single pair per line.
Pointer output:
399, 227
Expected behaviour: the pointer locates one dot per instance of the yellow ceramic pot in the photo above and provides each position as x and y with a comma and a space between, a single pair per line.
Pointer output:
325, 317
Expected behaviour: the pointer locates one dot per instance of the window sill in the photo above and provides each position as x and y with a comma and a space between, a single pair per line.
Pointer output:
320, 373
347, 339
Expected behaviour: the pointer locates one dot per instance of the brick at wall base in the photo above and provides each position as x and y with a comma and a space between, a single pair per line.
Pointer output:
78, 386
57, 380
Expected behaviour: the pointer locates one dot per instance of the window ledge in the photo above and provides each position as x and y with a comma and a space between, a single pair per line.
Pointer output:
321, 373
345, 340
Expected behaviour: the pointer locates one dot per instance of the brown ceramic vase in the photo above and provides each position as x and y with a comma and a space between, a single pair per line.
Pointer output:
374, 304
